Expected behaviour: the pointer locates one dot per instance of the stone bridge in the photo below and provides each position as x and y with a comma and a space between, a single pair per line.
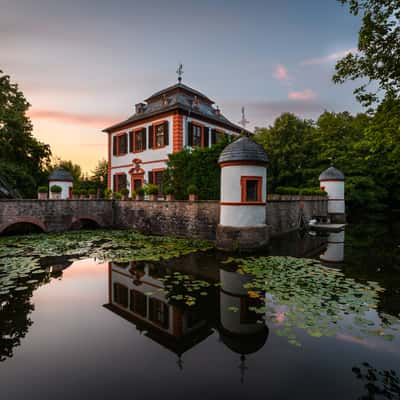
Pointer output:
55, 215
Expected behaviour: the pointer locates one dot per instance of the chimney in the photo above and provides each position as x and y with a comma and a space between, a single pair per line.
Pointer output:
139, 107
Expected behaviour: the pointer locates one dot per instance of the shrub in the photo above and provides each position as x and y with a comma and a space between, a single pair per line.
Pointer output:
43, 189
192, 189
117, 195
124, 191
107, 193
76, 191
287, 190
140, 191
83, 192
55, 189
169, 190
92, 191
312, 192
151, 189
133, 194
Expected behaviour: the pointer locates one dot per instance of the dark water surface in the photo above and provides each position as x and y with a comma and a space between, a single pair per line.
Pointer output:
106, 331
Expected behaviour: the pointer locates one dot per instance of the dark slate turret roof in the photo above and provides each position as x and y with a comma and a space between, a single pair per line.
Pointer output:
332, 173
243, 149
60, 174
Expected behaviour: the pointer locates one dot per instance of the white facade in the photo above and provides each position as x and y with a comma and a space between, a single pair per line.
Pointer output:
335, 190
234, 211
334, 252
152, 158
65, 186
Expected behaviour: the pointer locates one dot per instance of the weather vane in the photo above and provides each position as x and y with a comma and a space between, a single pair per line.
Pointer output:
179, 71
243, 121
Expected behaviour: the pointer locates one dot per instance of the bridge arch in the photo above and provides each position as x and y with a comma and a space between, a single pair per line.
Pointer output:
86, 221
20, 222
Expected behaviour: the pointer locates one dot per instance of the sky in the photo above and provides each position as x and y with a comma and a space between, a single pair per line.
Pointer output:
83, 65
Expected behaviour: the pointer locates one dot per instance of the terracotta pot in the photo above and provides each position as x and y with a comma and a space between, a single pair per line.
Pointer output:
75, 197
193, 197
92, 196
125, 197
82, 197
170, 197
139, 197
42, 196
56, 196
152, 197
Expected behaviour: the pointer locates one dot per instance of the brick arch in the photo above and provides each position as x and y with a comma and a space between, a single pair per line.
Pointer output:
27, 220
90, 217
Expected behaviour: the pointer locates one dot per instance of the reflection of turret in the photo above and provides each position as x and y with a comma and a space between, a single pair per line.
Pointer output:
334, 252
240, 330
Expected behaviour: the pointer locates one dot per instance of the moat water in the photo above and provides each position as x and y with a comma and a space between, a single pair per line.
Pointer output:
197, 327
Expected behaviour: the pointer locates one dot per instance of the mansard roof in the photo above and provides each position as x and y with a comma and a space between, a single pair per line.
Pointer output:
178, 97
60, 174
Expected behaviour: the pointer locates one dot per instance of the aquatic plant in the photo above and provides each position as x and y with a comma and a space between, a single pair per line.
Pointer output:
303, 294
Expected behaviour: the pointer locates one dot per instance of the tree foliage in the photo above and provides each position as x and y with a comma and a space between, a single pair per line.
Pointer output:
197, 167
74, 169
378, 58
23, 159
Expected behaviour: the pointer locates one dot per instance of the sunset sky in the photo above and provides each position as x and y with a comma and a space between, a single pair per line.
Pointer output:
84, 64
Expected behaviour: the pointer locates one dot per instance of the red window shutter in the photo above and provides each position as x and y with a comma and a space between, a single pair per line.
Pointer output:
150, 177
213, 136
190, 134
115, 181
124, 143
131, 142
150, 136
144, 138
166, 133
205, 137
114, 145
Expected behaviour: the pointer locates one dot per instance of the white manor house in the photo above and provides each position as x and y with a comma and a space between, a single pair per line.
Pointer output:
169, 120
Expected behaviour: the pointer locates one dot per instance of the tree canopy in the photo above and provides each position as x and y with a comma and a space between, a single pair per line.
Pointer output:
23, 159
377, 59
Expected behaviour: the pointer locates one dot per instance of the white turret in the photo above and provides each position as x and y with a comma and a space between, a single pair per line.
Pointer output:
332, 181
243, 195
334, 252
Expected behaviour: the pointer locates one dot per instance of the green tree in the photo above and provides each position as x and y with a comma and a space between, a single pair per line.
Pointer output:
23, 159
100, 174
288, 143
199, 167
378, 58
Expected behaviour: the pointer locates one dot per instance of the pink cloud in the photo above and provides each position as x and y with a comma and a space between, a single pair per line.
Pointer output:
281, 73
330, 57
73, 118
303, 95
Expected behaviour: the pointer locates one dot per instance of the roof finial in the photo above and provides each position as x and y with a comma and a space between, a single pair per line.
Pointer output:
243, 121
179, 71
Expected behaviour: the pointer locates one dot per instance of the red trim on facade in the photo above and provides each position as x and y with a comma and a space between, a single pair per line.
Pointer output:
242, 203
135, 132
158, 123
243, 185
144, 162
335, 199
60, 180
234, 163
177, 133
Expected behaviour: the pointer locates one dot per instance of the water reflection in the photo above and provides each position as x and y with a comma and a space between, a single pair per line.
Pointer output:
334, 253
136, 293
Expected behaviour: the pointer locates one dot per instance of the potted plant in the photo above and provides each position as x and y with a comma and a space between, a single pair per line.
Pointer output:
140, 193
43, 192
124, 193
117, 195
193, 193
75, 194
152, 191
55, 192
92, 193
169, 193
83, 194
107, 194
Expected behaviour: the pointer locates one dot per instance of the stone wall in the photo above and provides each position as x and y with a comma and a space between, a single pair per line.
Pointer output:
179, 218
284, 212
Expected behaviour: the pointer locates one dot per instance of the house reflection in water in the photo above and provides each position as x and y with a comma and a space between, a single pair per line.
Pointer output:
135, 295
